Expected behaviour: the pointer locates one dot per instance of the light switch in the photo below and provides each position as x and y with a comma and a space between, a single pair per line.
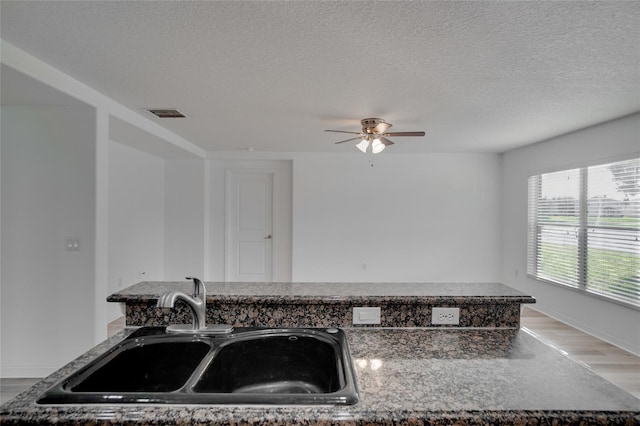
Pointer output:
366, 315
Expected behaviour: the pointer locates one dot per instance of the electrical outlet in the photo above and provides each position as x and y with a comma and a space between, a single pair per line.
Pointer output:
366, 315
450, 316
72, 244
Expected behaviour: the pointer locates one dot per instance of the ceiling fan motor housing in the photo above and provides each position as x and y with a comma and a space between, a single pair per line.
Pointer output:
369, 124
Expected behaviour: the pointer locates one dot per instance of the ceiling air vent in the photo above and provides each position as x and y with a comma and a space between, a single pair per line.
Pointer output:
166, 113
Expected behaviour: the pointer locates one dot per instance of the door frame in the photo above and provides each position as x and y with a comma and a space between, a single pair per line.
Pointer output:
230, 194
281, 206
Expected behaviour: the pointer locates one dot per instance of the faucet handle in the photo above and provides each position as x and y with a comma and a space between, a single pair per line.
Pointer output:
196, 286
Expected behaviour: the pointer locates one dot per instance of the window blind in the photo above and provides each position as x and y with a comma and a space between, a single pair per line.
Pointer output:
584, 229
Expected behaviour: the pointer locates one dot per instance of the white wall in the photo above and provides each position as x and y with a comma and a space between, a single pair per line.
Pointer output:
59, 188
599, 144
185, 208
48, 186
136, 219
410, 218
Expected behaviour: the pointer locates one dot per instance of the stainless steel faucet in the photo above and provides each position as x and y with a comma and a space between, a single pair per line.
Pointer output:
197, 303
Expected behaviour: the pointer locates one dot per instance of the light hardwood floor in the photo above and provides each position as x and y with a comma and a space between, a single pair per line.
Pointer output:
614, 364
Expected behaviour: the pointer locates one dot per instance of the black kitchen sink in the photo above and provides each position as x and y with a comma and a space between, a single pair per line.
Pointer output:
293, 363
246, 366
145, 368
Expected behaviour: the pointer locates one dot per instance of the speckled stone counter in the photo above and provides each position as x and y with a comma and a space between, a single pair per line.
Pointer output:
405, 376
482, 305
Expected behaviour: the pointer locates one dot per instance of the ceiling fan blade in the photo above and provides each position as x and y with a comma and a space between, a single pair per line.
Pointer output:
342, 131
382, 127
404, 134
347, 140
386, 142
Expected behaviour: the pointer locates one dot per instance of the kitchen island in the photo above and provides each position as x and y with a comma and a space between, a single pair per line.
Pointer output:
491, 305
405, 374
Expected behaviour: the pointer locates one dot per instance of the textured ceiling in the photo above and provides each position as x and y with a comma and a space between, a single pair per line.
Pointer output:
476, 76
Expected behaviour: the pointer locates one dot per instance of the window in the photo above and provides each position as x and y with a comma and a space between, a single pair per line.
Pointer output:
584, 229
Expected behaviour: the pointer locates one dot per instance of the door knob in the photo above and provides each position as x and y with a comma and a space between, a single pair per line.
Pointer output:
268, 237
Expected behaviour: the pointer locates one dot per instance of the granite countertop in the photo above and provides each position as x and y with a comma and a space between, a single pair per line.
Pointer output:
405, 375
326, 293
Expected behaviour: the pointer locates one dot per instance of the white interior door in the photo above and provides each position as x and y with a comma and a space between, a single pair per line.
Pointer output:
249, 223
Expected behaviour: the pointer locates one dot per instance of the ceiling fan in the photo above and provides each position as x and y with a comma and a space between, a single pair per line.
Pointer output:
374, 134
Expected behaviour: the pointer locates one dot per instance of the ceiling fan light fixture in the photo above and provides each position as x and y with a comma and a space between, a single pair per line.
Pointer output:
377, 146
363, 145
374, 133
